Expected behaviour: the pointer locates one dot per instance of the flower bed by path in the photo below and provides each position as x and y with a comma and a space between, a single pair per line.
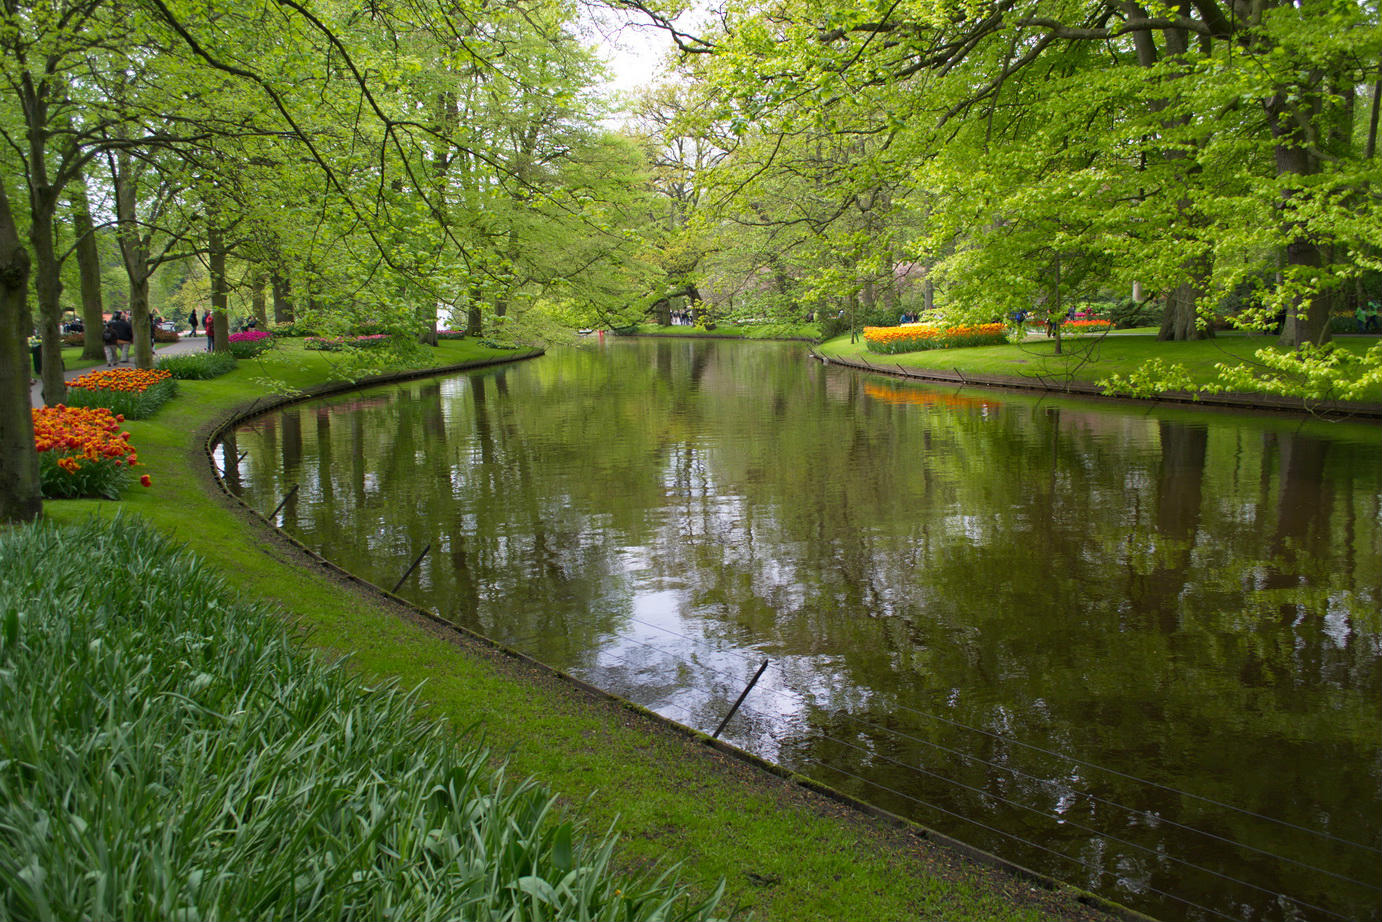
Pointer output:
82, 451
248, 343
337, 343
915, 337
134, 393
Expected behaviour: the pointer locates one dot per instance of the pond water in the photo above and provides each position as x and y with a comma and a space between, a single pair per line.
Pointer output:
1137, 650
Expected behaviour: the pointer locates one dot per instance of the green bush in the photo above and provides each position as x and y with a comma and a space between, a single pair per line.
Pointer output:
1127, 313
197, 366
170, 753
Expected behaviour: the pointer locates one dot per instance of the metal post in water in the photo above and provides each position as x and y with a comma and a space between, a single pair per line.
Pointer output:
279, 508
742, 695
409, 572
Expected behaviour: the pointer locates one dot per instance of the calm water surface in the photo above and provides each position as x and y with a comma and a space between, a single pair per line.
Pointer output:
1138, 651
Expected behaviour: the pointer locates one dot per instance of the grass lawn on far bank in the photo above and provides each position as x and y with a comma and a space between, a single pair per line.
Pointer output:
783, 853
1086, 359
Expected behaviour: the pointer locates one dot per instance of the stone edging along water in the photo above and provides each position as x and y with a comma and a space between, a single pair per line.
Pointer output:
210, 434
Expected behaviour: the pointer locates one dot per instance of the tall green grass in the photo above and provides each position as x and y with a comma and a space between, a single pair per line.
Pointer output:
166, 751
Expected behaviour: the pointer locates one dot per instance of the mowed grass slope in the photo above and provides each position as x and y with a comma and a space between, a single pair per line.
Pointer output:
1084, 358
784, 855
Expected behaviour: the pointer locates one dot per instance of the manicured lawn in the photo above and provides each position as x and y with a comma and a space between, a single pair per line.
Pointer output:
784, 855
1089, 358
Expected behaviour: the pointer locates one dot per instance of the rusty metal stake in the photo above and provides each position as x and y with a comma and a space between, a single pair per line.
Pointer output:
742, 695
409, 571
279, 508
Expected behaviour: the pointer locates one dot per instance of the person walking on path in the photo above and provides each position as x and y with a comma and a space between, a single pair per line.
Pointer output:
124, 335
109, 340
192, 319
210, 332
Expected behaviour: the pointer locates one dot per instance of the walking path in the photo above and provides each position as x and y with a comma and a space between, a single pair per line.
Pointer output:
184, 345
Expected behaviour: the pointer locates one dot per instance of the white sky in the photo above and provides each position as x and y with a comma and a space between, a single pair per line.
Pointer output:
635, 49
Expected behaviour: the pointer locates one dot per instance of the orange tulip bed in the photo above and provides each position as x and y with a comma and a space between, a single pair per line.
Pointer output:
133, 393
82, 451
1086, 326
915, 337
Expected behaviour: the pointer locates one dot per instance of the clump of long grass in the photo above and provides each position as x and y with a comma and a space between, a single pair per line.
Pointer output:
197, 366
167, 751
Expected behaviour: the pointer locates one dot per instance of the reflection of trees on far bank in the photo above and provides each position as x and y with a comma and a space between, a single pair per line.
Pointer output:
1124, 587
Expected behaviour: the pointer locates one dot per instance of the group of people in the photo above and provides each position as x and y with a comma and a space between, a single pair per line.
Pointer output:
117, 336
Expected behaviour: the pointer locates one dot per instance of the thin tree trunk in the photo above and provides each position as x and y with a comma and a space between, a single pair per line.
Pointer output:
216, 258
19, 487
89, 266
257, 300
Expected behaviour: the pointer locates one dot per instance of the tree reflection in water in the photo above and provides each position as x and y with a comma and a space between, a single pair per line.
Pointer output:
942, 580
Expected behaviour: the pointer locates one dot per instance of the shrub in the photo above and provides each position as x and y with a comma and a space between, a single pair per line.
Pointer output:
1128, 313
166, 336
323, 343
74, 339
451, 334
291, 328
197, 366
172, 753
248, 343
337, 343
133, 393
82, 451
916, 337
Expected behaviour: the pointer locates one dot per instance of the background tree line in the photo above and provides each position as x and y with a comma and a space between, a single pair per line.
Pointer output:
985, 158
406, 163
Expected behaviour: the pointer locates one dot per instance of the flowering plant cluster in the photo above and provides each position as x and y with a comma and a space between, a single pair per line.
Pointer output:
134, 393
248, 343
337, 343
915, 337
129, 380
248, 336
82, 451
451, 334
1091, 325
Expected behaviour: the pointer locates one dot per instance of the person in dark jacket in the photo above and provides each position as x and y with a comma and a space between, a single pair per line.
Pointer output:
124, 335
192, 319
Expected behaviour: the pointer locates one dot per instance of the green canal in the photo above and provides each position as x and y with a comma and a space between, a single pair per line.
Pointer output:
1136, 650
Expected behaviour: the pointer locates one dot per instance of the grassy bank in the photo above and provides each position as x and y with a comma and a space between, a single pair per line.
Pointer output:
782, 853
807, 331
170, 752
1086, 359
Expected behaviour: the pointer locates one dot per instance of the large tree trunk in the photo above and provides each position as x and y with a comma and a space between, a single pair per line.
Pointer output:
1294, 118
48, 287
19, 488
283, 298
134, 251
89, 266
1178, 314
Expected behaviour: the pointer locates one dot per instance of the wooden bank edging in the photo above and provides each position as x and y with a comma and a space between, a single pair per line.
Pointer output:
1331, 409
211, 433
